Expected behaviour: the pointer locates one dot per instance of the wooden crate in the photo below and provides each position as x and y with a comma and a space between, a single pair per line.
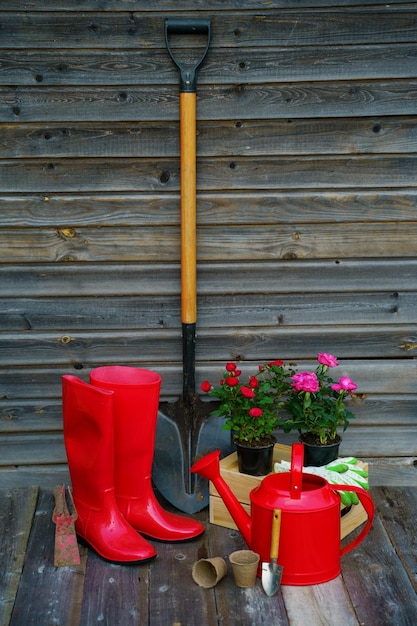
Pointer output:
242, 484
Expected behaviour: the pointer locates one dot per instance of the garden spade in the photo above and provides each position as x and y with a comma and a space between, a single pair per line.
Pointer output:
272, 572
184, 430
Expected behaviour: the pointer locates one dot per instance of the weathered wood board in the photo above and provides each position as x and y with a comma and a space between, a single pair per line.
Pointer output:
377, 584
17, 509
306, 205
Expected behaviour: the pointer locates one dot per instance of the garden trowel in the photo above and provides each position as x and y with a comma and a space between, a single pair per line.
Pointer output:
272, 572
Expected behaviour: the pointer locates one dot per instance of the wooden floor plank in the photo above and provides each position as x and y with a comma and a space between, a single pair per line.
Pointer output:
114, 594
17, 508
47, 594
319, 605
378, 585
174, 597
397, 509
236, 606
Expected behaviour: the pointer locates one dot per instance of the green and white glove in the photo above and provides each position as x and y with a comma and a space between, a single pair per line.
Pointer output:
346, 472
343, 471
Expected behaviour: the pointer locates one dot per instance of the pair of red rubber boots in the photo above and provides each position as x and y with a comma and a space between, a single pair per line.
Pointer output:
109, 433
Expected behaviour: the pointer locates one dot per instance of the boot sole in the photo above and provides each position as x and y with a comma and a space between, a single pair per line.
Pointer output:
188, 539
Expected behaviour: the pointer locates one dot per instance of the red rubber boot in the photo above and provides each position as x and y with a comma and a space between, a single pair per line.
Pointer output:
88, 433
136, 400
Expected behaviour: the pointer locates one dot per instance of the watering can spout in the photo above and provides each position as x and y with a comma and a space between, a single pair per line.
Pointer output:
209, 467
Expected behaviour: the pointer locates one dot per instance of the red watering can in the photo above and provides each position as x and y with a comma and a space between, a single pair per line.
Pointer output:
309, 547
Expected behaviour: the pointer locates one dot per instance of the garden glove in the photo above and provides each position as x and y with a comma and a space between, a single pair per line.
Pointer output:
346, 472
340, 472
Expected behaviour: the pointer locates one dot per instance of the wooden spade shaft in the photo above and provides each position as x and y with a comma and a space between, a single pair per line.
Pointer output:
188, 208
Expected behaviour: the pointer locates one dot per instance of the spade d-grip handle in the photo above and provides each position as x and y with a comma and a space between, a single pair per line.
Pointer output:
185, 26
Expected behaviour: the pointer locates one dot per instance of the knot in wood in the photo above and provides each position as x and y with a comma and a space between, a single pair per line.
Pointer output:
67, 233
408, 345
65, 339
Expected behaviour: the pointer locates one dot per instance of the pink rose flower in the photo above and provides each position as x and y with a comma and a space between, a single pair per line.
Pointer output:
305, 381
205, 386
345, 384
247, 392
327, 359
255, 412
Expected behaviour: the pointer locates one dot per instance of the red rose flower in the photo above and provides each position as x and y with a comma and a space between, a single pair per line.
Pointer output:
255, 412
232, 381
247, 392
205, 386
253, 382
230, 367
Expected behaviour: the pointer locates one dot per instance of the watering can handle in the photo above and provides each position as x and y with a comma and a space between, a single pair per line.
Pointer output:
368, 505
297, 461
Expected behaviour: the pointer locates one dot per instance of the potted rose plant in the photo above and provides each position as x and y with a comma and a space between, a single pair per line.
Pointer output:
251, 409
315, 404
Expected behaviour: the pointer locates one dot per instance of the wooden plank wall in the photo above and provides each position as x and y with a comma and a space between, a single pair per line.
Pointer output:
307, 203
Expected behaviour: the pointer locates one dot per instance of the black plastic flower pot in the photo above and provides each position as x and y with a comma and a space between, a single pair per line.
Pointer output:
255, 460
316, 455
